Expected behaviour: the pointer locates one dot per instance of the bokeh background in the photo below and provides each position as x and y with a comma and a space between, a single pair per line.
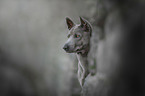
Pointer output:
33, 63
32, 34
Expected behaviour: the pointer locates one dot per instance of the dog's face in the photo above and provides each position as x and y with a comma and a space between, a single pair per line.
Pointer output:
78, 36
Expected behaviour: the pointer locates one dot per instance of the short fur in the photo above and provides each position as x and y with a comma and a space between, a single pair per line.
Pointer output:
79, 42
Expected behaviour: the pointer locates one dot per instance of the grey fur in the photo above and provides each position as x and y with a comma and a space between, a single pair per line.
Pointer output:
79, 42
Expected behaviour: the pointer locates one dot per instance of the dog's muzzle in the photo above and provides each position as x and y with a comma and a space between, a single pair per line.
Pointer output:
66, 47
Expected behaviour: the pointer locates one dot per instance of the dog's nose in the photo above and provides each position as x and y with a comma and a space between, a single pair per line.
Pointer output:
66, 47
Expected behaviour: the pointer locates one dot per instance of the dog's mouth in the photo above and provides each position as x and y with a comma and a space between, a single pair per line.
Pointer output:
69, 51
82, 49
76, 49
79, 49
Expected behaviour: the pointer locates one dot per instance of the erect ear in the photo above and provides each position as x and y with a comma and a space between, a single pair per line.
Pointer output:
82, 21
85, 25
69, 23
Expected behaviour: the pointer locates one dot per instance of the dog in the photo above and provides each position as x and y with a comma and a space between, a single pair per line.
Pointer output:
79, 42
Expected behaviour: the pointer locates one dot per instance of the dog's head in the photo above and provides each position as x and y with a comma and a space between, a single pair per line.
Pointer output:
78, 36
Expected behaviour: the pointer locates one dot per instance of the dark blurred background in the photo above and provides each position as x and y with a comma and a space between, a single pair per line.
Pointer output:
32, 34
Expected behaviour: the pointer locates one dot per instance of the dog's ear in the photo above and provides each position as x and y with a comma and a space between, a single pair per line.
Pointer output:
85, 25
69, 23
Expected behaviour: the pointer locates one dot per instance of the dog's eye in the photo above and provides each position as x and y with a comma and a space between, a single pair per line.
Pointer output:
76, 36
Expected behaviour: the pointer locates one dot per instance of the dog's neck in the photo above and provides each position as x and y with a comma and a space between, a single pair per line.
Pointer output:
83, 55
82, 58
